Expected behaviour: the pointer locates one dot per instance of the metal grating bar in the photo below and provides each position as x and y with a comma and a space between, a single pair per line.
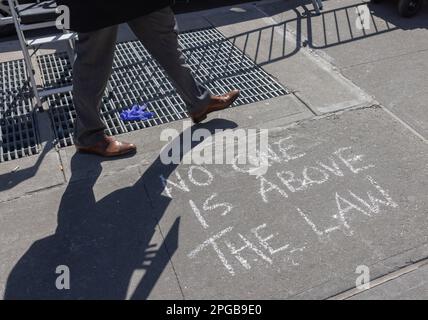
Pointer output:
18, 136
56, 70
138, 78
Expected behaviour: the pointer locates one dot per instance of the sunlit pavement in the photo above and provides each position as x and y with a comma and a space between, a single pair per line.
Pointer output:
344, 199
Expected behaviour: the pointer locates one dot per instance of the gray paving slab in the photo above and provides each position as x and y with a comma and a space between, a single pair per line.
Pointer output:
100, 228
387, 60
411, 286
244, 237
398, 83
271, 45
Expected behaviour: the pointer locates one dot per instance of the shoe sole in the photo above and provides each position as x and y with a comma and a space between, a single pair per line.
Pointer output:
204, 117
115, 155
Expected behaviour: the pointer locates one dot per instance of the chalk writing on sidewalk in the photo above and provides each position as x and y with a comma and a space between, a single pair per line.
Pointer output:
264, 241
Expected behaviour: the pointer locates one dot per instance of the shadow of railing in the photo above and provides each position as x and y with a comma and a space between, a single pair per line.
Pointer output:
356, 22
331, 28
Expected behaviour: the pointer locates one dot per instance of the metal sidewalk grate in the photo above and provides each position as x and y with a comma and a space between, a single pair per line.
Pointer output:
137, 77
17, 124
56, 70
12, 79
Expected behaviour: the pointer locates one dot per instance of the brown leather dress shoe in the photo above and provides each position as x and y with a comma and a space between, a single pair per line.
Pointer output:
217, 103
109, 148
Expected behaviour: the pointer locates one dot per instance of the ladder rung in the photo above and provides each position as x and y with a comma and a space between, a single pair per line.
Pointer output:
49, 92
5, 21
37, 12
35, 26
51, 39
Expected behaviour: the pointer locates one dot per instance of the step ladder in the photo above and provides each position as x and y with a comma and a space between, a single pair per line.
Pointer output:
36, 16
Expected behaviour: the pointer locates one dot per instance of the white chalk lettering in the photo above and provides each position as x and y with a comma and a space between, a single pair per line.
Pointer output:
264, 242
198, 215
227, 206
209, 176
289, 179
314, 227
309, 180
334, 168
344, 210
267, 186
213, 242
310, 223
389, 202
350, 162
286, 149
209, 207
181, 185
247, 245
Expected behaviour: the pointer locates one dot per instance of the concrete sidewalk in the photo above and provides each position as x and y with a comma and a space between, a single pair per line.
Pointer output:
346, 186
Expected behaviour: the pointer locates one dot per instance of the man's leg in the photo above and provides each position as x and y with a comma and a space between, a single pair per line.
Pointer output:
158, 32
91, 71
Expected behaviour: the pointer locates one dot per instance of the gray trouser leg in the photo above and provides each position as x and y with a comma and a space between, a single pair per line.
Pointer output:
159, 34
91, 71
94, 61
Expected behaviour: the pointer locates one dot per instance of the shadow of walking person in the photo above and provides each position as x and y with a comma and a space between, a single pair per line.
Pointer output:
102, 242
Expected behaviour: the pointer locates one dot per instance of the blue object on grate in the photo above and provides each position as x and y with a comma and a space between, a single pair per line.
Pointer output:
136, 113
